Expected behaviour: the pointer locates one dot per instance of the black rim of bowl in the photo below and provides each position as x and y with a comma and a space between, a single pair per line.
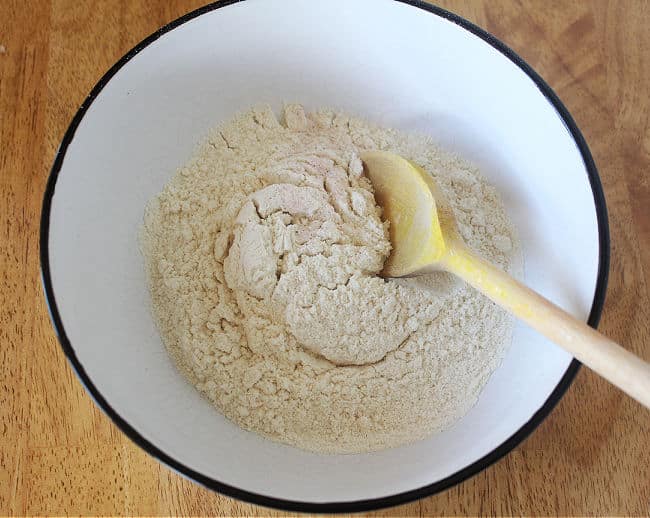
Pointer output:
346, 506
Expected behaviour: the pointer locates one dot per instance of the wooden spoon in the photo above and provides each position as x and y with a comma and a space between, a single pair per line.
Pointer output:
425, 238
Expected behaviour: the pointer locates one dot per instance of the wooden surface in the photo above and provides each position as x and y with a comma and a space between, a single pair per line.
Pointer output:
60, 455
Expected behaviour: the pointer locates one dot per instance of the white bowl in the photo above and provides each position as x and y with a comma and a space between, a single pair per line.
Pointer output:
406, 65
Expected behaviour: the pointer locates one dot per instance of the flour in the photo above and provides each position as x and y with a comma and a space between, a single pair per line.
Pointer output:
262, 256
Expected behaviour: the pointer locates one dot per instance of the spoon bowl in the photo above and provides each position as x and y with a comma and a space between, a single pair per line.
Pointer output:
417, 212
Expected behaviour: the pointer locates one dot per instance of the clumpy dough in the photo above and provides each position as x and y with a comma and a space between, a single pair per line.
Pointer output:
262, 256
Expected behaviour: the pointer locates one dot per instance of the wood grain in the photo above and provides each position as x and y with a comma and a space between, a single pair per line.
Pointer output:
60, 455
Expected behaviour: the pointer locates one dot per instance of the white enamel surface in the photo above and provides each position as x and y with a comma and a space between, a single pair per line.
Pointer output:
390, 62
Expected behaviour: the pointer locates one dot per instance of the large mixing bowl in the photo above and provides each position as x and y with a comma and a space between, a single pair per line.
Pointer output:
406, 65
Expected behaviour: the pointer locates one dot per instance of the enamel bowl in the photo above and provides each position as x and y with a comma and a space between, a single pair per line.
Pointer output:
402, 64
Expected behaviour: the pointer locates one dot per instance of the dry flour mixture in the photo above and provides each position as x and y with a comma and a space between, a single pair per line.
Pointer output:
262, 256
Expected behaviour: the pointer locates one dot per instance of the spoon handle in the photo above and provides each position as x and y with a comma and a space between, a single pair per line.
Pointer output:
614, 363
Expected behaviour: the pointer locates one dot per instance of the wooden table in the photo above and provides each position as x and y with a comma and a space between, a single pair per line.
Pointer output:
60, 455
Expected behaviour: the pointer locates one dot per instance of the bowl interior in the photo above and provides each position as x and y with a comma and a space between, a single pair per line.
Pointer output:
391, 62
